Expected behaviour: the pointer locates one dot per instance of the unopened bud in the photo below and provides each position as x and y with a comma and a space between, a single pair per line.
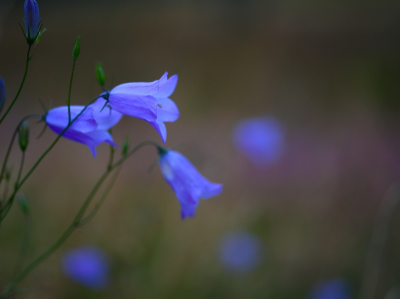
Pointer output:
101, 77
2, 93
32, 20
39, 37
23, 204
23, 132
125, 146
77, 48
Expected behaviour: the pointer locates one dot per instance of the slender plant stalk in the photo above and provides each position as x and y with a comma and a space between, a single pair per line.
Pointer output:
378, 241
76, 222
10, 200
69, 92
20, 87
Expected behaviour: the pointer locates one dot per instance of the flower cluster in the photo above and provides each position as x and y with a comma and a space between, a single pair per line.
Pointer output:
148, 101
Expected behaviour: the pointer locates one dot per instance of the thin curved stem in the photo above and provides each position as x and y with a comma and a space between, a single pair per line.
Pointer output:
3, 168
76, 222
17, 187
69, 92
20, 87
379, 238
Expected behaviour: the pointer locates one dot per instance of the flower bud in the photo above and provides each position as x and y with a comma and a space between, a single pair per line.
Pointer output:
23, 132
31, 11
125, 146
77, 48
23, 204
101, 77
39, 36
2, 93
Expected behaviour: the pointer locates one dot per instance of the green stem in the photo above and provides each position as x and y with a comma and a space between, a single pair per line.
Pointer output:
100, 202
17, 187
20, 87
3, 169
76, 222
69, 92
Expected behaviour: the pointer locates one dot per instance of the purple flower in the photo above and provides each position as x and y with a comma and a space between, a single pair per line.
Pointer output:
31, 12
261, 139
331, 289
147, 100
187, 183
87, 266
89, 128
240, 251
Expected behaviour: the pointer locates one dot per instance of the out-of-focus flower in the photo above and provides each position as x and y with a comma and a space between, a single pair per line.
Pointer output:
331, 289
240, 251
146, 100
187, 183
89, 128
261, 139
32, 20
2, 93
87, 266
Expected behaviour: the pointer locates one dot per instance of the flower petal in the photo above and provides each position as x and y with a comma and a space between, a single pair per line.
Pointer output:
58, 117
161, 129
167, 110
105, 116
166, 86
144, 107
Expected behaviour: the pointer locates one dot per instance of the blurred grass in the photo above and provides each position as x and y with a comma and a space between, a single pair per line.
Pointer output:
328, 70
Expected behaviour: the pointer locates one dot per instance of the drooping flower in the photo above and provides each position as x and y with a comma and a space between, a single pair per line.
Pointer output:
187, 183
260, 139
32, 20
240, 251
331, 289
89, 128
147, 100
87, 266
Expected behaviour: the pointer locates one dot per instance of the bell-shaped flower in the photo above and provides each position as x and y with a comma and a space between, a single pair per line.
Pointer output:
187, 183
147, 100
90, 128
88, 266
32, 20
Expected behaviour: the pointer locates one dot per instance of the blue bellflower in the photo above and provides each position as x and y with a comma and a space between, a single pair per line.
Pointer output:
147, 100
90, 128
87, 266
240, 251
31, 12
331, 289
260, 139
187, 183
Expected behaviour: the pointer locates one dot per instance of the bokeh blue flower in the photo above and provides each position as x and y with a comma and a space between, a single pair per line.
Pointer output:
260, 139
2, 93
88, 266
240, 250
188, 184
337, 288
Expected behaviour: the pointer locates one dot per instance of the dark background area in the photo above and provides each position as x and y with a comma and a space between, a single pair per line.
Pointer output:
328, 70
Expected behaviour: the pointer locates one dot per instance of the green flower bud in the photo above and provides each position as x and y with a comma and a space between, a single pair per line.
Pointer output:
125, 146
23, 204
39, 37
77, 48
23, 132
101, 77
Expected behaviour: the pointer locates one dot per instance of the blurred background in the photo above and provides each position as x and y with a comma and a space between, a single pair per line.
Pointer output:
322, 78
